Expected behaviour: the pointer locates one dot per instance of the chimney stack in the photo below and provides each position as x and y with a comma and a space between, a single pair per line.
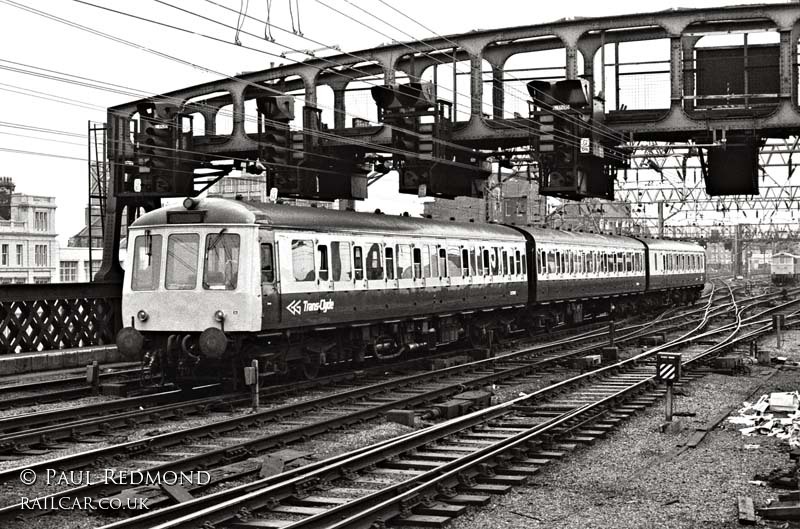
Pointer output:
6, 190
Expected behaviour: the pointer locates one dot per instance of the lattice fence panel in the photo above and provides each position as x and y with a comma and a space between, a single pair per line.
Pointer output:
58, 316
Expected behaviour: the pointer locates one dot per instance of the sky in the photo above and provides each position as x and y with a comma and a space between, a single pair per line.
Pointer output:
33, 40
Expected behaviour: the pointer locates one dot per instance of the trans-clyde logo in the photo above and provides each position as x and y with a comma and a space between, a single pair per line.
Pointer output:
298, 307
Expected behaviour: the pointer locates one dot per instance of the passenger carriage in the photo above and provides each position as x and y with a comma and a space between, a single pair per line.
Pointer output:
214, 283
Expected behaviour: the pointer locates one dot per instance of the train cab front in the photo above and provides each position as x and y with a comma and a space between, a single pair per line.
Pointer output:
188, 295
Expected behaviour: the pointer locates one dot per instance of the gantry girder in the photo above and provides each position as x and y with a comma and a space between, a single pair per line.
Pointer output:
487, 52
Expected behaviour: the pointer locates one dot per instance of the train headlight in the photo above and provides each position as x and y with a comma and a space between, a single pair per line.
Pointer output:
189, 203
142, 315
219, 316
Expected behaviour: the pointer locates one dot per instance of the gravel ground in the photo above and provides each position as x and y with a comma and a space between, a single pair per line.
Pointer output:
631, 479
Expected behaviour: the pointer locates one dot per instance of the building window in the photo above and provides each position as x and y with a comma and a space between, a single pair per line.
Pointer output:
40, 255
19, 255
40, 221
69, 271
41, 280
4, 255
91, 269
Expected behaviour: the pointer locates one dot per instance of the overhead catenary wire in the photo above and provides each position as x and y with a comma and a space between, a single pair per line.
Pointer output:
317, 133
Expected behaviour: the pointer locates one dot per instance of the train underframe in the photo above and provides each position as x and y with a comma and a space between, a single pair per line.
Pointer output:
306, 353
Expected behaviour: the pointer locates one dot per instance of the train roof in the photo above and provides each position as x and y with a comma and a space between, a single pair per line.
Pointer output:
581, 238
224, 211
780, 254
673, 246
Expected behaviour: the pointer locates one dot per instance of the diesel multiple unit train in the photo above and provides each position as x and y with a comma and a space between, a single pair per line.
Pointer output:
213, 283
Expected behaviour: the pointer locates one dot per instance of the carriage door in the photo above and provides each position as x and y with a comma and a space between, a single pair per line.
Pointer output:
270, 286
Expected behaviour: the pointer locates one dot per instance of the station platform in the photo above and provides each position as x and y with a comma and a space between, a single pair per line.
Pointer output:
14, 364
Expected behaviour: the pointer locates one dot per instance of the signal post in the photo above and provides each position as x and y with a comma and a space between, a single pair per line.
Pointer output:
668, 370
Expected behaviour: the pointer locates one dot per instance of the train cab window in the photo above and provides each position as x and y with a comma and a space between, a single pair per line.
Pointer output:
267, 263
341, 265
221, 271
453, 262
146, 262
358, 263
404, 270
303, 260
374, 262
389, 252
486, 262
182, 252
442, 262
322, 259
465, 262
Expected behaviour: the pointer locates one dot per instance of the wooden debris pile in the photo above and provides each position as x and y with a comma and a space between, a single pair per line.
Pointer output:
773, 415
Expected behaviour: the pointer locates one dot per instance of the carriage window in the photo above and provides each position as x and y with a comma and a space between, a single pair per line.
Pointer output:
558, 263
358, 263
182, 251
628, 262
221, 270
340, 261
417, 259
374, 262
322, 259
404, 270
303, 260
518, 259
495, 262
472, 266
426, 262
453, 262
551, 262
146, 262
464, 262
267, 264
637, 262
443, 262
486, 263
434, 262
664, 262
389, 262
505, 263
540, 263
479, 270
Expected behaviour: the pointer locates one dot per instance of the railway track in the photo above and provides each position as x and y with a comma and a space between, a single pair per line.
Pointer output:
56, 390
318, 415
429, 476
